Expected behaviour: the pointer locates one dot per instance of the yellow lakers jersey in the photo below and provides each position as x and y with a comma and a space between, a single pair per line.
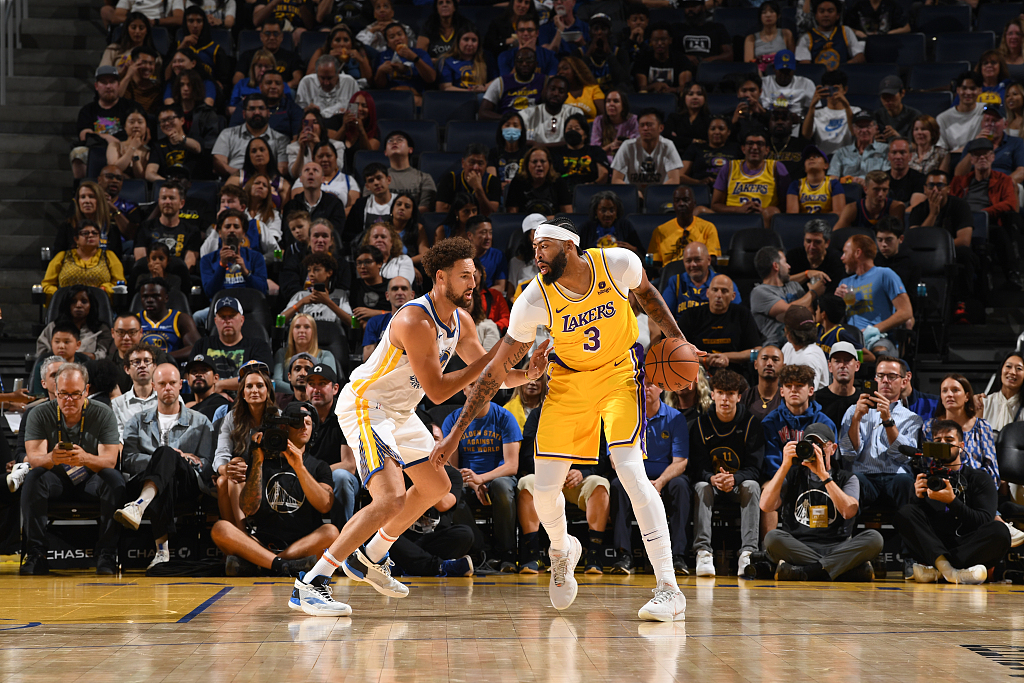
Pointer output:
594, 330
815, 198
744, 188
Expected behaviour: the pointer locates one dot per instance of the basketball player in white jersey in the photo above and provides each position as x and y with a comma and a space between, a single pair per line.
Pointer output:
376, 410
596, 378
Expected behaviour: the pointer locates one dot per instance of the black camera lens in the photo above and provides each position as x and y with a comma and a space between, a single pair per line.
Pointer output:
805, 450
936, 482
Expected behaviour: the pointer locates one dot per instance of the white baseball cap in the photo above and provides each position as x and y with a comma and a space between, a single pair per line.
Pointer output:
532, 221
843, 347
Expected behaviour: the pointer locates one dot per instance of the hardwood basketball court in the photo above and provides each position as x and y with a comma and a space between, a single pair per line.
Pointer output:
75, 626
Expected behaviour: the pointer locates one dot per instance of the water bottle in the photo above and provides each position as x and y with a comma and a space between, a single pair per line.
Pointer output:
282, 321
649, 260
278, 255
922, 290
354, 323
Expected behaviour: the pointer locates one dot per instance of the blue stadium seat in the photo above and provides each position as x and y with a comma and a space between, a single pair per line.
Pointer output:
310, 42
250, 40
424, 133
853, 192
903, 49
728, 224
712, 74
1016, 71
413, 15
393, 101
134, 191
205, 191
995, 16
738, 21
222, 36
958, 46
701, 195
364, 157
583, 194
443, 107
657, 196
505, 225
869, 102
812, 71
788, 19
865, 78
481, 15
930, 103
161, 39
980, 235
437, 164
664, 102
722, 104
933, 20
430, 222
645, 225
935, 76
467, 132
790, 226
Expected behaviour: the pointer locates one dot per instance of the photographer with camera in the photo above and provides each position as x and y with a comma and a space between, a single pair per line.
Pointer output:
818, 503
949, 524
285, 496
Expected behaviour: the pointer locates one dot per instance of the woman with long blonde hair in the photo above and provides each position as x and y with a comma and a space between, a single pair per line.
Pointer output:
302, 338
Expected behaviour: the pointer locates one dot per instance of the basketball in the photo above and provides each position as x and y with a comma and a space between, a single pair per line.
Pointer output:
671, 364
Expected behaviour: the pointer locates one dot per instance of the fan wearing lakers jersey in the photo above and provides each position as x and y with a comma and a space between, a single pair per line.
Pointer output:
753, 184
171, 331
596, 376
817, 192
376, 412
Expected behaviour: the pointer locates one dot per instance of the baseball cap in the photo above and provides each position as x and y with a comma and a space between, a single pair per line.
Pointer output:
107, 71
300, 356
843, 347
229, 302
978, 145
533, 221
301, 409
785, 59
253, 366
890, 85
993, 109
199, 359
819, 432
812, 151
601, 18
325, 371
863, 115
798, 317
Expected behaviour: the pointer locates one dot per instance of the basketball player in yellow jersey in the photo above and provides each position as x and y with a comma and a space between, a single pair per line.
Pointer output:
753, 185
376, 412
596, 374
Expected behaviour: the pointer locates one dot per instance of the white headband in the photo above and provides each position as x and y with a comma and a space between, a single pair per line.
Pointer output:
554, 232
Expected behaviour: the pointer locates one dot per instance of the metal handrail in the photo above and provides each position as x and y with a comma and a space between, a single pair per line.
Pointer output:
12, 13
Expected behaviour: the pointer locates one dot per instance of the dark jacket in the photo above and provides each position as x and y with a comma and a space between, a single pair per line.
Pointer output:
736, 446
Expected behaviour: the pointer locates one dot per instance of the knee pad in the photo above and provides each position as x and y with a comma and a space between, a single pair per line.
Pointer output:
633, 476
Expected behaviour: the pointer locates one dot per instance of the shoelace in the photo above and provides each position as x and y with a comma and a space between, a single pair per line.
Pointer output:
662, 595
385, 567
558, 569
326, 591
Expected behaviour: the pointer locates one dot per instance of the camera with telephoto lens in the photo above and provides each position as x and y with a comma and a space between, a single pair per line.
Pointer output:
275, 434
932, 462
805, 451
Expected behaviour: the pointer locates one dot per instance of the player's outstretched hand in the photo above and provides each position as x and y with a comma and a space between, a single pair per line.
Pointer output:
695, 350
539, 360
443, 450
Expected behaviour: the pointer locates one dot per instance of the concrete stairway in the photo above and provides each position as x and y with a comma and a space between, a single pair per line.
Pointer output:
61, 45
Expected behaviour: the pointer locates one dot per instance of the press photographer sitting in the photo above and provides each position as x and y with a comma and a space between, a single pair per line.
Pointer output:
284, 498
949, 525
817, 503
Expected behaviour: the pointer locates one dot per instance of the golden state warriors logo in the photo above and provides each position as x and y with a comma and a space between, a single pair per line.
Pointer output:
725, 458
828, 57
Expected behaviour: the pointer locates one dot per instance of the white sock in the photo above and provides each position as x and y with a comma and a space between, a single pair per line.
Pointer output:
649, 511
161, 546
378, 546
147, 496
549, 502
325, 566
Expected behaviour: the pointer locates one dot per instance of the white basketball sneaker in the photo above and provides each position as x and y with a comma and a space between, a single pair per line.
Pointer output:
744, 563
668, 604
972, 575
358, 567
315, 598
130, 515
705, 563
925, 574
563, 587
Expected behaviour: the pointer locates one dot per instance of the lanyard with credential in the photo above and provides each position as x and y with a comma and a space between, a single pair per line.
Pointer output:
76, 473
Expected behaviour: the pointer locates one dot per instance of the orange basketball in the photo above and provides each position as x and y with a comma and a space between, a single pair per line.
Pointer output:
671, 364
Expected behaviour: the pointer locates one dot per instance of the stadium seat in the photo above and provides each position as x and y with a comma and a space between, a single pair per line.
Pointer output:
1016, 71
424, 133
106, 312
812, 71
701, 195
956, 46
864, 101
310, 42
645, 224
437, 164
657, 196
332, 337
258, 320
1010, 452
738, 21
728, 224
865, 78
714, 74
364, 157
839, 237
742, 248
161, 39
903, 49
722, 104
205, 191
413, 15
933, 20
134, 191
979, 236
431, 221
853, 192
995, 16
663, 102
790, 226
176, 300
393, 101
504, 227
481, 16
670, 269
467, 132
443, 107
931, 250
935, 76
250, 40
583, 194
222, 36
931, 103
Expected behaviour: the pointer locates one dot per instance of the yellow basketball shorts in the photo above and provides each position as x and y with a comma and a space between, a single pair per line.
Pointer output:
577, 403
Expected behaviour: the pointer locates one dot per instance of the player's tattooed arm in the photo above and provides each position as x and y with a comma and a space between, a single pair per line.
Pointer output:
252, 491
519, 350
656, 308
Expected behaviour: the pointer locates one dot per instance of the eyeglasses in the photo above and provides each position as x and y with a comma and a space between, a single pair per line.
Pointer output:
141, 363
65, 396
887, 377
167, 119
935, 186
88, 233
364, 262
756, 144
124, 334
526, 30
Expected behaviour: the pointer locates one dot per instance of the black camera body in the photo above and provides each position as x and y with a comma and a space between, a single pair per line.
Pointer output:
805, 451
275, 434
933, 463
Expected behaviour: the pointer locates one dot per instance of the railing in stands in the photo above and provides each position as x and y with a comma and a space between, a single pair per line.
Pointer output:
12, 12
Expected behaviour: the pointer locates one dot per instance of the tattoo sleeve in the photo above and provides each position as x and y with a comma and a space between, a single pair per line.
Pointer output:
251, 495
655, 307
489, 383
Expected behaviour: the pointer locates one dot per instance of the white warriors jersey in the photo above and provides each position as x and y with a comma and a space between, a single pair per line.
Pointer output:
386, 377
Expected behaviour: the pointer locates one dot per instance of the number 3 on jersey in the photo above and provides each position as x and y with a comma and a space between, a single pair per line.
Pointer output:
593, 342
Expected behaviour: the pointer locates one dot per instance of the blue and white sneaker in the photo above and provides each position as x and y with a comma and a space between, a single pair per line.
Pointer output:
315, 598
359, 568
294, 602
460, 566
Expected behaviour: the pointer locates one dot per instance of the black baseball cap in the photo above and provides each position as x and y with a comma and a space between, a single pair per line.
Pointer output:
325, 371
819, 433
199, 359
300, 409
